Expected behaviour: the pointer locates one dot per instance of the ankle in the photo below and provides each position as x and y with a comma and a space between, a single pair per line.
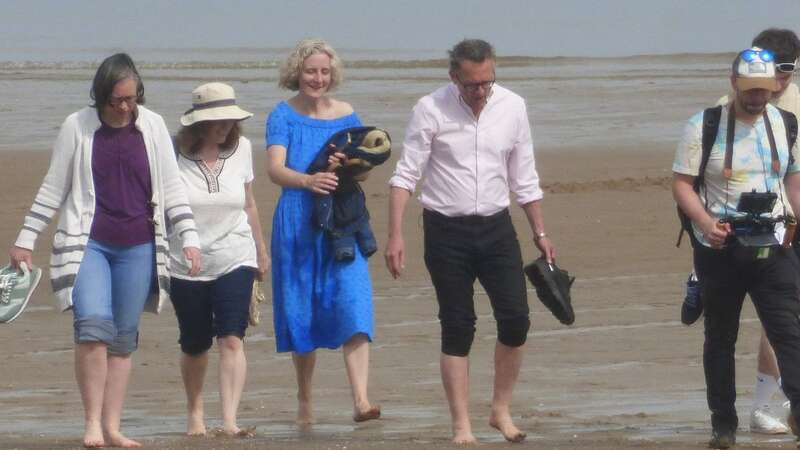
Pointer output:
229, 425
462, 425
361, 405
92, 424
500, 412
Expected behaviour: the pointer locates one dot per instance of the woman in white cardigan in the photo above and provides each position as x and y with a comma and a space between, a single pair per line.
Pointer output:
114, 180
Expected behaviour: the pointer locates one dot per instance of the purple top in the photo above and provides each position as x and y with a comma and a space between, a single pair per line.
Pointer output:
122, 185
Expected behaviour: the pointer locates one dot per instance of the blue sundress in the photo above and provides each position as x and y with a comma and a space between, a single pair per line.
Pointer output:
317, 302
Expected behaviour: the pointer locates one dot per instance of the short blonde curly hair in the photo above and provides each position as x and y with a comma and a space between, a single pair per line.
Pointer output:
291, 68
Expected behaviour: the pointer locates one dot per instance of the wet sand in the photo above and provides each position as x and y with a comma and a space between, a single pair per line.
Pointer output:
627, 374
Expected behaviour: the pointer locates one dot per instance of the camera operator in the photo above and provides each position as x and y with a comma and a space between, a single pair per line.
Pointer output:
740, 235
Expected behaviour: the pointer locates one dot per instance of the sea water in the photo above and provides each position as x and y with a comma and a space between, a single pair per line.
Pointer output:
639, 101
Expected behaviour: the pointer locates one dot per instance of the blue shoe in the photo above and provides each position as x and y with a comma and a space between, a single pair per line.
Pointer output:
692, 307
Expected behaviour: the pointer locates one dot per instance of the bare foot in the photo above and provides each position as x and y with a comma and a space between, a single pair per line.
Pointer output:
246, 432
305, 414
505, 425
370, 413
93, 436
118, 440
462, 433
231, 431
235, 432
196, 427
92, 442
464, 438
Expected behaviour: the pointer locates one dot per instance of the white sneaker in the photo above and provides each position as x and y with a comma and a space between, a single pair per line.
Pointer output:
762, 421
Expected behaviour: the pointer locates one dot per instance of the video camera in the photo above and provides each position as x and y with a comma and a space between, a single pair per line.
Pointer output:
751, 229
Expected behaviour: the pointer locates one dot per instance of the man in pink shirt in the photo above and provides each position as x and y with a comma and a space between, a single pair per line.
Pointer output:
470, 144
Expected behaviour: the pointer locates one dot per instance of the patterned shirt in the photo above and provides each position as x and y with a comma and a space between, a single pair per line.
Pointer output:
751, 165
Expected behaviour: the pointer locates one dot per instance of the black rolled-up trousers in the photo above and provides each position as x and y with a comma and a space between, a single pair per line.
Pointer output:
457, 251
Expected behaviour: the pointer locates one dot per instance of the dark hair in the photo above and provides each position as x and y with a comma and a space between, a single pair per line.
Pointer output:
475, 50
784, 43
112, 70
190, 138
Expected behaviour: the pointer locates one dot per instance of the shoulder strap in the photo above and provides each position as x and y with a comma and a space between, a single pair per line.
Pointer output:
727, 171
175, 146
711, 118
790, 123
776, 163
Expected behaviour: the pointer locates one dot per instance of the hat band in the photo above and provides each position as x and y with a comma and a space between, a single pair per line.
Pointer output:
214, 104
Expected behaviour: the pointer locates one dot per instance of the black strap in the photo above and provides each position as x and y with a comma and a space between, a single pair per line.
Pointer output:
711, 118
776, 162
790, 123
211, 104
727, 171
175, 146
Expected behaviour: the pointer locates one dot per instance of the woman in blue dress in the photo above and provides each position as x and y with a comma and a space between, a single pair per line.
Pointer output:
318, 302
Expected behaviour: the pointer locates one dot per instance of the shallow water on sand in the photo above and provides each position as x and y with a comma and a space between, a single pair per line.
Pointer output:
578, 391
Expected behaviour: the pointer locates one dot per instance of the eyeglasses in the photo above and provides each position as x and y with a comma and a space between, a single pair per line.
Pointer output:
473, 87
118, 101
787, 67
751, 55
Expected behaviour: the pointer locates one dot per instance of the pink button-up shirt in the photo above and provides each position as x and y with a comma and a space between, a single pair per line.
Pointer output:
468, 166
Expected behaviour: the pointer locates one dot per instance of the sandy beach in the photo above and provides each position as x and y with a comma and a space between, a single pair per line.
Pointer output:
608, 86
627, 374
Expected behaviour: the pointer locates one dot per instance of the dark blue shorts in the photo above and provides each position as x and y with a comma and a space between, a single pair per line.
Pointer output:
206, 309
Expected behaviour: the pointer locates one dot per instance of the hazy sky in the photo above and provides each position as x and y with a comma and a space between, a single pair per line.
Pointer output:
516, 27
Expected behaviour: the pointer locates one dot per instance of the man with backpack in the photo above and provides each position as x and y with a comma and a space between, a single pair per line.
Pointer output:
785, 45
737, 197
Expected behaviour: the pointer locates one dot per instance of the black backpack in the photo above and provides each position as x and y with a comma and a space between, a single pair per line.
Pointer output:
710, 128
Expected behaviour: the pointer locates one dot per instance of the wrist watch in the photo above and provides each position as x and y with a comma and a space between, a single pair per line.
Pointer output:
539, 236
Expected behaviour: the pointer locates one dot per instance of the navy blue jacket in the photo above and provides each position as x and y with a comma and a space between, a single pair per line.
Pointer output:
343, 213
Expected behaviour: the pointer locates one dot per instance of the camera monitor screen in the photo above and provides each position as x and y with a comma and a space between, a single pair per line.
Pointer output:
756, 202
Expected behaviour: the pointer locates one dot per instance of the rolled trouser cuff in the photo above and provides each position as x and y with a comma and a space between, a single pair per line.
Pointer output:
94, 329
124, 343
513, 332
196, 345
457, 341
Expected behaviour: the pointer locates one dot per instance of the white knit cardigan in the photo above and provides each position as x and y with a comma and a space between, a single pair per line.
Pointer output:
68, 188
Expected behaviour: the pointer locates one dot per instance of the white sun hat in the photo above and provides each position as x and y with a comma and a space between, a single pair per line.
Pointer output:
213, 101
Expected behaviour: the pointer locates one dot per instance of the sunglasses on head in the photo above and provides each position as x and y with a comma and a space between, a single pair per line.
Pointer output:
751, 55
